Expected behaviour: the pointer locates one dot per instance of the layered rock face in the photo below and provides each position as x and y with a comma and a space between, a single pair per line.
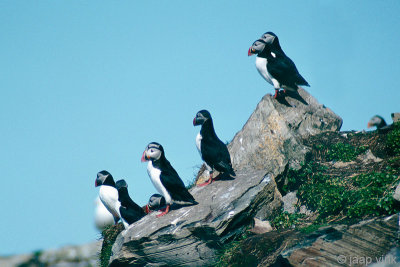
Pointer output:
269, 143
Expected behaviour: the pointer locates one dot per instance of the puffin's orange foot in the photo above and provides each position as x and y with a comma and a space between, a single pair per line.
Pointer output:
164, 211
209, 181
276, 93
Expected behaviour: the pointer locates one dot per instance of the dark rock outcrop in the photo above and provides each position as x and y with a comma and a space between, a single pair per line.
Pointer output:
262, 150
340, 245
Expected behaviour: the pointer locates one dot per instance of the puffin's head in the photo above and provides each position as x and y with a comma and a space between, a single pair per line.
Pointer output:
153, 151
269, 38
257, 47
102, 177
201, 117
121, 184
377, 121
156, 202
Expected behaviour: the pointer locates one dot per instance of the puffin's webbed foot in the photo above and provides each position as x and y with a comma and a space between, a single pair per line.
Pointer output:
164, 211
209, 181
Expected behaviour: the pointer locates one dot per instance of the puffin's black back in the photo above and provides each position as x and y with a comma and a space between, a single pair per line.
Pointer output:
129, 210
171, 181
213, 151
282, 68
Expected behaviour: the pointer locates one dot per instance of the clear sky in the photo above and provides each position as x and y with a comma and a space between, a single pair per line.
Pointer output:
86, 85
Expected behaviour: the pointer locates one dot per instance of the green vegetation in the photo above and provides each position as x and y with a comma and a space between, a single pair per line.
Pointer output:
109, 236
356, 197
393, 140
343, 152
228, 255
286, 220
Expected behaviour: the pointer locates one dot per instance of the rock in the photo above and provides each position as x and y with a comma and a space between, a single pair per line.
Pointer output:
269, 142
396, 194
395, 117
368, 157
289, 202
70, 256
346, 245
338, 245
190, 235
272, 135
261, 227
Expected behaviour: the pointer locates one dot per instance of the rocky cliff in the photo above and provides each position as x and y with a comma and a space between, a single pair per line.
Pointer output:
269, 144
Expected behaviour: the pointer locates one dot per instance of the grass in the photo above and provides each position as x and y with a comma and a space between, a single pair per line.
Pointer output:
286, 220
341, 152
354, 198
109, 236
393, 140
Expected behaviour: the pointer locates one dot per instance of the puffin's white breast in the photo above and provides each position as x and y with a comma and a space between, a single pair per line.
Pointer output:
109, 196
154, 174
261, 65
102, 217
198, 143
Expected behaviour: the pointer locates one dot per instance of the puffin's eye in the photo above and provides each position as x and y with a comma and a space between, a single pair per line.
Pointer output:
151, 150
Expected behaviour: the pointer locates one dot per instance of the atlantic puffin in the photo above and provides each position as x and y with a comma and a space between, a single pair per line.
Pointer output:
156, 202
164, 177
129, 210
102, 217
212, 150
274, 66
377, 121
108, 193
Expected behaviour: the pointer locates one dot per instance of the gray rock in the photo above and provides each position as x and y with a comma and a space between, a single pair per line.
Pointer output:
70, 256
395, 117
342, 245
261, 227
269, 142
396, 194
289, 202
272, 135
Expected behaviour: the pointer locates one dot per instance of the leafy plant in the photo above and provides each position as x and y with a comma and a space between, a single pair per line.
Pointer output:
393, 140
344, 152
286, 220
109, 236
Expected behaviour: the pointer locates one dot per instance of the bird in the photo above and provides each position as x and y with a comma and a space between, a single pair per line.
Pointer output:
164, 177
102, 217
156, 202
129, 210
274, 66
377, 121
108, 193
212, 150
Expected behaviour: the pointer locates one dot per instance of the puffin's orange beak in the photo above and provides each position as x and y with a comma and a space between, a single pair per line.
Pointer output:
250, 52
369, 125
144, 157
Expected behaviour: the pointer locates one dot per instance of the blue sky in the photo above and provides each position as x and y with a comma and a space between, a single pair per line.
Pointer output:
86, 85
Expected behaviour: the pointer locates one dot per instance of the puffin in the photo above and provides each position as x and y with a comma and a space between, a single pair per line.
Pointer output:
164, 177
102, 217
377, 121
108, 193
212, 150
156, 202
129, 210
274, 66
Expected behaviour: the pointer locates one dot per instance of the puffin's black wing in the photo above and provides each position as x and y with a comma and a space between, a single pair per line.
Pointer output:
173, 183
282, 68
215, 153
131, 215
128, 203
